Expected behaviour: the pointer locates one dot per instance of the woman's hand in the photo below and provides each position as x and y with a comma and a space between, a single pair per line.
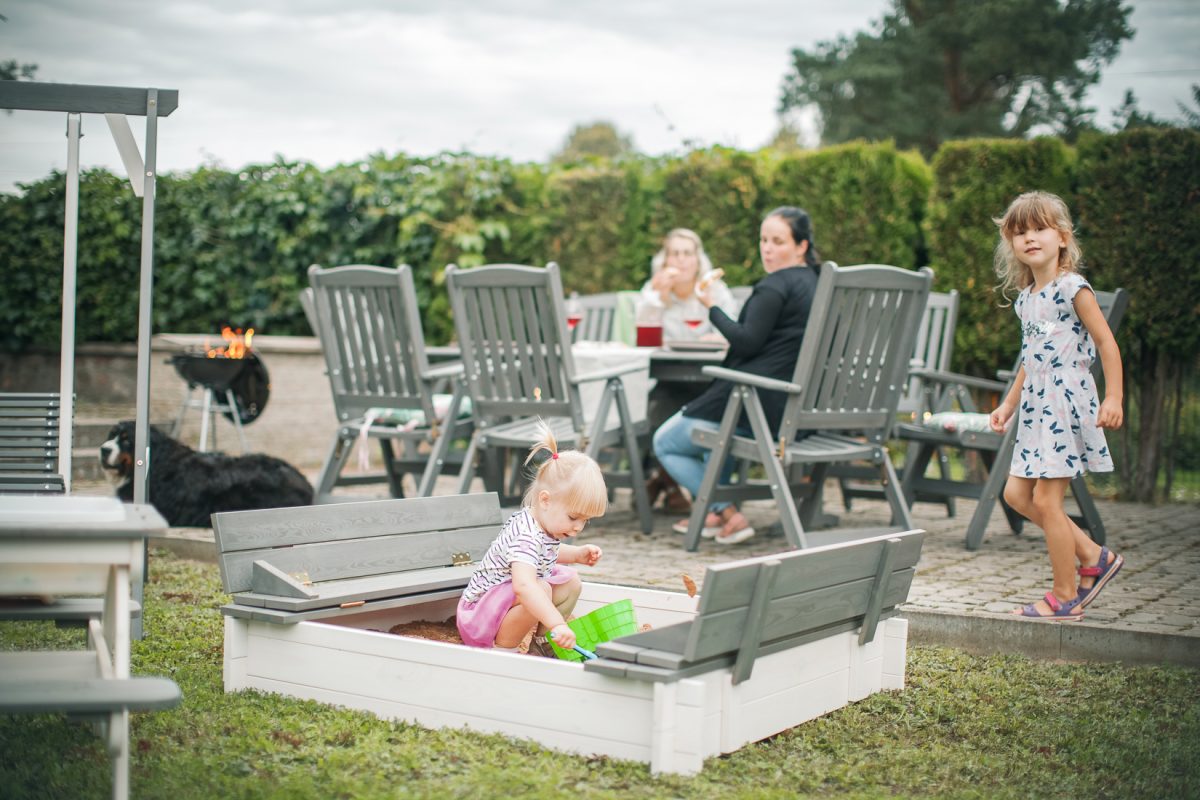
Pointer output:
564, 637
663, 281
1111, 414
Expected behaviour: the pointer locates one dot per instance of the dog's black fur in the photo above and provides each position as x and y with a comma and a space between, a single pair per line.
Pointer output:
187, 487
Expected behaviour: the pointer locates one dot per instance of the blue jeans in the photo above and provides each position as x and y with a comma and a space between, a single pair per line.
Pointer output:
684, 460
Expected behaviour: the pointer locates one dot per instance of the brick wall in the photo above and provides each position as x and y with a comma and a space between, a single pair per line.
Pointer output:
296, 425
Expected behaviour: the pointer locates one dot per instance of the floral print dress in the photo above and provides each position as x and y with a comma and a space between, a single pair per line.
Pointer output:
1057, 436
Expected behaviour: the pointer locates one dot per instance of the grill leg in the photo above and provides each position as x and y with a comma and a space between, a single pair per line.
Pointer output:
205, 411
236, 413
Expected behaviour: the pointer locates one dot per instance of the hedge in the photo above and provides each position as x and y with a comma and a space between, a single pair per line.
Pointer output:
233, 247
866, 201
973, 182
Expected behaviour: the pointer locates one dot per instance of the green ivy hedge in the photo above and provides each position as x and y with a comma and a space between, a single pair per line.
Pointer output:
866, 201
973, 183
233, 247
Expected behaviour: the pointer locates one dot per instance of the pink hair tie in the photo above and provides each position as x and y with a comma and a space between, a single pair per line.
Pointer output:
554, 456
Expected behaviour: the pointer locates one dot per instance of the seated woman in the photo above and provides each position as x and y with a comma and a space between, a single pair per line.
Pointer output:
675, 272
764, 340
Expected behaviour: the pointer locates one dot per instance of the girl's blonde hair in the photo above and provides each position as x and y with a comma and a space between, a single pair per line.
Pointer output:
571, 477
660, 258
1033, 210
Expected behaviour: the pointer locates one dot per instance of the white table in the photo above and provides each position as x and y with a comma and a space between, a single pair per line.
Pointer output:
596, 356
51, 546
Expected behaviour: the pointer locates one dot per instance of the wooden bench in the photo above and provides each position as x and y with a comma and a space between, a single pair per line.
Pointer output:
316, 561
29, 425
768, 604
770, 642
64, 612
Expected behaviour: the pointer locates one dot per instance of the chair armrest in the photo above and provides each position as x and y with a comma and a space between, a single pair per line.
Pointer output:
451, 369
608, 372
443, 352
749, 379
956, 379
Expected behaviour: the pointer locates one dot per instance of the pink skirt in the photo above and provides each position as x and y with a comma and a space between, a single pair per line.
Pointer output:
478, 622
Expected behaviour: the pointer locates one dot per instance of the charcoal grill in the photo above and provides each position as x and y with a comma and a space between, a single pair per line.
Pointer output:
236, 388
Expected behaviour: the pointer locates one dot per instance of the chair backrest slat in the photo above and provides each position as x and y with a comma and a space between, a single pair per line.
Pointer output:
855, 356
599, 316
933, 348
512, 329
370, 332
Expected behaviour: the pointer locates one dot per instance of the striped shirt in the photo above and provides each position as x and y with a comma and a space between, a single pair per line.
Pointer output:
521, 539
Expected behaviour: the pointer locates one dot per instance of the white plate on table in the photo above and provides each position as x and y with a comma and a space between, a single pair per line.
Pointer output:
702, 346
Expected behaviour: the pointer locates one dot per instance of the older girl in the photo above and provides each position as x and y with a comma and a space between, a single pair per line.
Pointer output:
1059, 433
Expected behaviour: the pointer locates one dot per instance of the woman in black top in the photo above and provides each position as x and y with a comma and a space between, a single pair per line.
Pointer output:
765, 340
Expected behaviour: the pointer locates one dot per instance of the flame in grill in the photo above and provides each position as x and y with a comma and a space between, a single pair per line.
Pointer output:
237, 344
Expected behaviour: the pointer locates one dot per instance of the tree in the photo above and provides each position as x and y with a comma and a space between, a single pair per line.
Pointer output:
933, 70
12, 71
601, 139
1128, 116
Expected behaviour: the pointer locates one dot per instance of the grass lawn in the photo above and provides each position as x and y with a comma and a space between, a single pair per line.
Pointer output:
967, 726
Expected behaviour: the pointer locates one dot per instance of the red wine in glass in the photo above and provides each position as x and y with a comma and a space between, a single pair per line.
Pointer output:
693, 322
573, 320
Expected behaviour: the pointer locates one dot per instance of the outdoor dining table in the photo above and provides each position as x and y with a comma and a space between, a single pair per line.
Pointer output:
684, 365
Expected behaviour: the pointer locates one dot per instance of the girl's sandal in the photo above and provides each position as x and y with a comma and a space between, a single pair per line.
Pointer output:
1059, 611
1104, 571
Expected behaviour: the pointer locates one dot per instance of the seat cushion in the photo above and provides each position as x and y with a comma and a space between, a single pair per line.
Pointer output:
411, 418
952, 421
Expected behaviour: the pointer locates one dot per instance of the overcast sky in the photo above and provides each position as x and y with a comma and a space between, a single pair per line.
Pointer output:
332, 81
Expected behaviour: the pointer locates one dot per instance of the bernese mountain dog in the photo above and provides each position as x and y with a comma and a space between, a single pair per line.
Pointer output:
187, 486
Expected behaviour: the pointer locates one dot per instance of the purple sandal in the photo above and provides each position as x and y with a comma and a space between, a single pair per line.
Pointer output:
1059, 611
1103, 572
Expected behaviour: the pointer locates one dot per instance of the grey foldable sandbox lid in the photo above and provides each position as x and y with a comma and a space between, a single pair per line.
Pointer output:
289, 564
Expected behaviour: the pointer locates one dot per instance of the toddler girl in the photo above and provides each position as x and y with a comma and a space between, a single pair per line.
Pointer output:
521, 581
1059, 432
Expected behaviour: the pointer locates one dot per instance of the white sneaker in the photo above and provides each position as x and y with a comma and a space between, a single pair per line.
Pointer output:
707, 532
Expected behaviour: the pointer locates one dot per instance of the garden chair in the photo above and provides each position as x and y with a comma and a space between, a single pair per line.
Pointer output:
599, 314
934, 345
368, 323
970, 433
847, 382
512, 329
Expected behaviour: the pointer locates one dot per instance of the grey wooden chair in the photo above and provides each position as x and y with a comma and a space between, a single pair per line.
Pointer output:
849, 375
29, 426
599, 314
933, 348
512, 329
995, 450
369, 326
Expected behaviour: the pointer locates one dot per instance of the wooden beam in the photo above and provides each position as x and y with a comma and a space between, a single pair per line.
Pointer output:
83, 98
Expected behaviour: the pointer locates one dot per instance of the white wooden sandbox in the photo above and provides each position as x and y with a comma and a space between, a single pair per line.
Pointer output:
669, 697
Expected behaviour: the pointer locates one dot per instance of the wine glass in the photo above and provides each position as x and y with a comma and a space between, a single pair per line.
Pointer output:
574, 311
